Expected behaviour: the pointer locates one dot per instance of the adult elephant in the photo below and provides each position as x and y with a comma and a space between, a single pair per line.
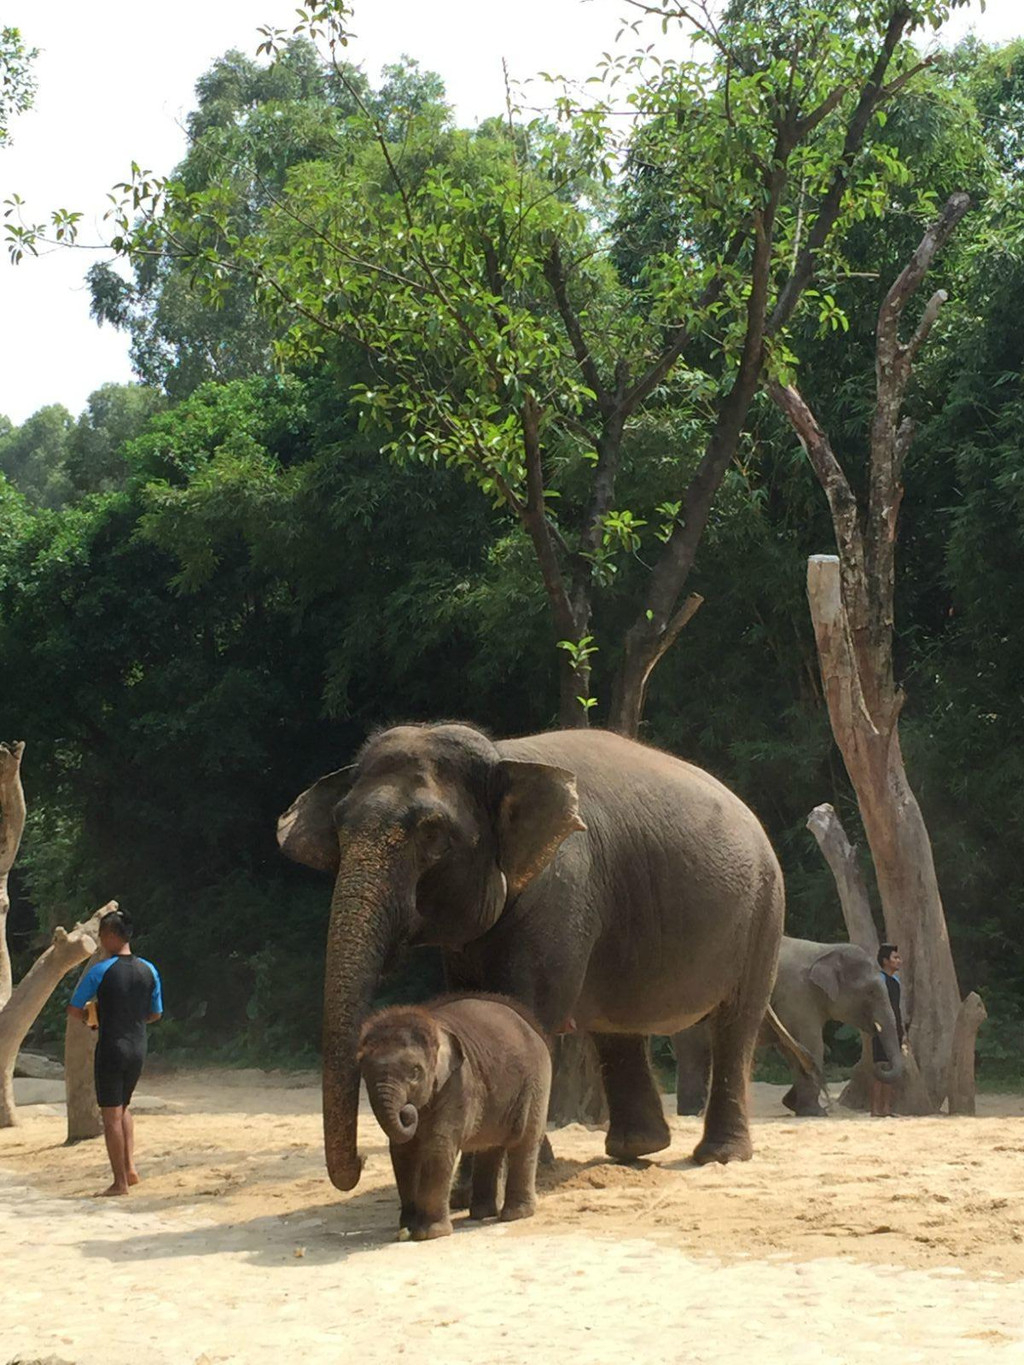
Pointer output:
587, 876
815, 982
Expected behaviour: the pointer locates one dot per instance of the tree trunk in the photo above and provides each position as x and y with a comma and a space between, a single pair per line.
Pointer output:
841, 856
896, 834
12, 825
84, 1118
31, 994
577, 1092
960, 1084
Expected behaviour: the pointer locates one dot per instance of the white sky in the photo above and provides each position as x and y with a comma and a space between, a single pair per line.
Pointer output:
116, 79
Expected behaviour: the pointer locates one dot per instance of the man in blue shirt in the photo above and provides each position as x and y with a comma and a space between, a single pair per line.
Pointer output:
890, 962
128, 996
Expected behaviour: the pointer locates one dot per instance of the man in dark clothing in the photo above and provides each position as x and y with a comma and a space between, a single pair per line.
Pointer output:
128, 996
890, 962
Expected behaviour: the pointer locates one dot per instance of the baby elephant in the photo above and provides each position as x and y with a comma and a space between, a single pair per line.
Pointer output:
460, 1074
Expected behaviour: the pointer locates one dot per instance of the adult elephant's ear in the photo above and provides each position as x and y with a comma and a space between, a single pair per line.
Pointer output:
539, 807
306, 832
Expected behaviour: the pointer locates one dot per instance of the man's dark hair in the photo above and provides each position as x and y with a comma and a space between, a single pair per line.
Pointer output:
886, 951
116, 922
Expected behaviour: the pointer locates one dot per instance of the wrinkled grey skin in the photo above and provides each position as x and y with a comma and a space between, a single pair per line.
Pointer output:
587, 876
457, 1076
815, 982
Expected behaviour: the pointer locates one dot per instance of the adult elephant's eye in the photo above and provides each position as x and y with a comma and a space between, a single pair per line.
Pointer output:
434, 836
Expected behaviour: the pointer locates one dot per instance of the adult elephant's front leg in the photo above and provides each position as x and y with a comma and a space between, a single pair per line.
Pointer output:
636, 1119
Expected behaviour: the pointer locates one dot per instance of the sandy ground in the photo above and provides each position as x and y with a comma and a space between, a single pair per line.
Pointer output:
843, 1239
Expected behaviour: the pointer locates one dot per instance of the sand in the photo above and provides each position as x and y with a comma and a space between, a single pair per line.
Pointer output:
843, 1238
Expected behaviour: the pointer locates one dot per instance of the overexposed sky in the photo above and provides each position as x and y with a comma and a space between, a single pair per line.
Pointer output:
116, 80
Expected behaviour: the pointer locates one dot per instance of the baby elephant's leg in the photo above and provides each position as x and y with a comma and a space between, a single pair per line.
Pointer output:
405, 1163
521, 1181
433, 1185
486, 1173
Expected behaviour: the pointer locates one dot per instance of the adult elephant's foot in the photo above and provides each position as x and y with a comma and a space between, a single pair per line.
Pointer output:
804, 1106
485, 1208
523, 1208
427, 1232
628, 1142
690, 1105
723, 1150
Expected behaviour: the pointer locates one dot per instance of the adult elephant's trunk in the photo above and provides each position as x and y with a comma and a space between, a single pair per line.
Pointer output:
891, 1069
366, 923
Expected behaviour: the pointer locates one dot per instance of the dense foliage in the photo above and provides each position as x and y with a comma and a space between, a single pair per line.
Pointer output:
213, 584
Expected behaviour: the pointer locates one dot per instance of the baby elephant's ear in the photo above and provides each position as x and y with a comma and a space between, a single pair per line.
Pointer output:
538, 808
826, 972
306, 832
449, 1058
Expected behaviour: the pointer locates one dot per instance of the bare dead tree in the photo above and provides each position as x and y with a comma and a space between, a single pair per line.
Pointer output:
67, 948
841, 856
12, 826
851, 600
20, 1005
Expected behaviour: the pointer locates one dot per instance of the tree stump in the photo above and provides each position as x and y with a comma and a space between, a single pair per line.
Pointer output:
577, 1092
960, 1086
910, 1095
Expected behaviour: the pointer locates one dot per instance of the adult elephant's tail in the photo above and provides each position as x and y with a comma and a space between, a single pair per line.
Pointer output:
795, 1052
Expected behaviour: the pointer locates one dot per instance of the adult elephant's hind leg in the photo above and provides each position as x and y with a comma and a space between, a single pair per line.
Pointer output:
636, 1119
726, 1130
735, 1026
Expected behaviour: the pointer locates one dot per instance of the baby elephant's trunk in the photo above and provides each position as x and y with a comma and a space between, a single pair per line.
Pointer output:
399, 1124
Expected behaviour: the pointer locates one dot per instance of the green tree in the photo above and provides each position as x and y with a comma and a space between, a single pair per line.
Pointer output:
476, 274
33, 456
252, 125
17, 84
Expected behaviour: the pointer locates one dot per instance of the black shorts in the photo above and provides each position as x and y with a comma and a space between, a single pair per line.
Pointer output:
116, 1079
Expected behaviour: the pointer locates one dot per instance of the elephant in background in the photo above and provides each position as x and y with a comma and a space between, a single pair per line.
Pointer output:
815, 982
584, 875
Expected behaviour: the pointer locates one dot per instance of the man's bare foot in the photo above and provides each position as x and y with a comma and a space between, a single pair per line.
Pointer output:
133, 1177
112, 1191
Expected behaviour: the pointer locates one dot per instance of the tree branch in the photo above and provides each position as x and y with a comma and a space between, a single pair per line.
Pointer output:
841, 499
671, 353
555, 274
828, 210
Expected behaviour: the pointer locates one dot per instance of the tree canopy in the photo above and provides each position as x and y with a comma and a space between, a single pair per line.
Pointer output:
389, 363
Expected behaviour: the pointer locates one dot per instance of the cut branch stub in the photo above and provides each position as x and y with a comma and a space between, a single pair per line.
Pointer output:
841, 856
